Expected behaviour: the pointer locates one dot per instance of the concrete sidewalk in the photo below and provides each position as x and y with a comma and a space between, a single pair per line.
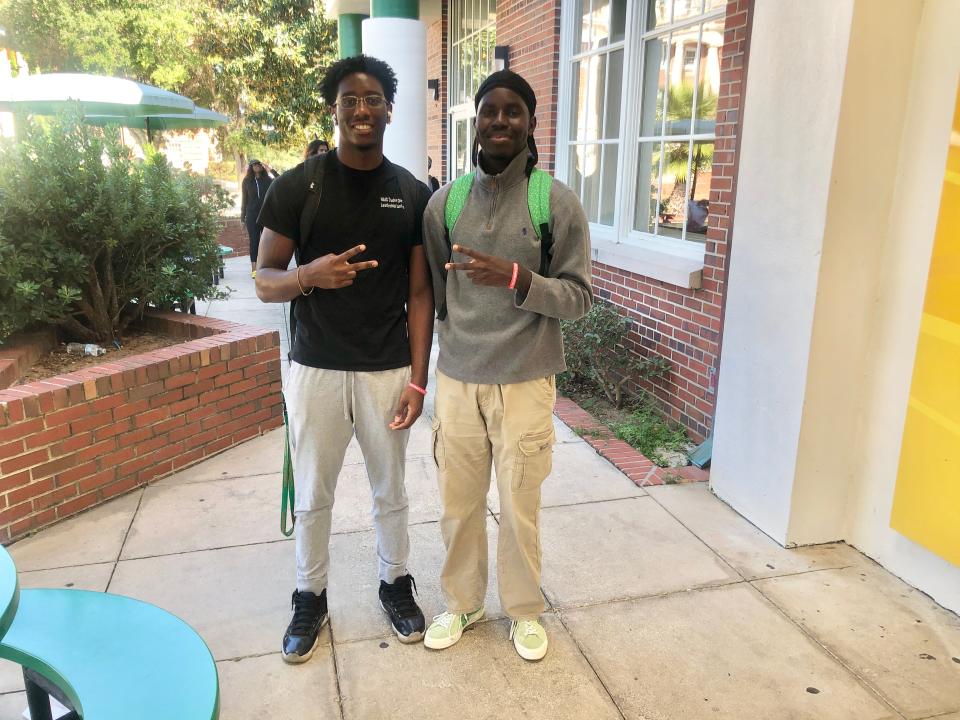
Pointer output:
664, 603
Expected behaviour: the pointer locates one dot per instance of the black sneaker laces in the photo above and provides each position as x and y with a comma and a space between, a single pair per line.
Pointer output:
305, 613
400, 596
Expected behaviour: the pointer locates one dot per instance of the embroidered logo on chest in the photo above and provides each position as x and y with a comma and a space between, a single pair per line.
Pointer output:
395, 203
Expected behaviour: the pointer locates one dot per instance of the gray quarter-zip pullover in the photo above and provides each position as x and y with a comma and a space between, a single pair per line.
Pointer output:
491, 335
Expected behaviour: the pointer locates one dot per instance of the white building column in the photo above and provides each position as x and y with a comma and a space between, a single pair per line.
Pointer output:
394, 33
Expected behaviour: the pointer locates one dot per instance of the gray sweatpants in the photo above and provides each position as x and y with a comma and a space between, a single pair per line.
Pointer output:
325, 408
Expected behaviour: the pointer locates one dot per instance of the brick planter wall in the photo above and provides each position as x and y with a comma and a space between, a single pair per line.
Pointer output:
234, 235
76, 440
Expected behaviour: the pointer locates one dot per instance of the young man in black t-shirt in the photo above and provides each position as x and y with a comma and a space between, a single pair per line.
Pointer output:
364, 324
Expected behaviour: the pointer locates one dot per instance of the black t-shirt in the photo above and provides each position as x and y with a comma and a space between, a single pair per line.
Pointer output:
362, 326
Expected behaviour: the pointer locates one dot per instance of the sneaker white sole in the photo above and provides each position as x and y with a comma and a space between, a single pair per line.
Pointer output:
531, 655
294, 659
405, 639
450, 642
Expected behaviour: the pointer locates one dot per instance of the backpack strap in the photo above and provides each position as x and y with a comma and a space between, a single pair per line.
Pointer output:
538, 201
456, 199
314, 168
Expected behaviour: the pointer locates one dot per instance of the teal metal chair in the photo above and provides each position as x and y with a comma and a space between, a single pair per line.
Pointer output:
104, 656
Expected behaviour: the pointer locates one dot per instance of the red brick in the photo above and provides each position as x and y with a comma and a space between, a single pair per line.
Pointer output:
71, 507
24, 461
95, 482
21, 429
130, 409
135, 436
75, 473
27, 492
91, 422
12, 449
9, 482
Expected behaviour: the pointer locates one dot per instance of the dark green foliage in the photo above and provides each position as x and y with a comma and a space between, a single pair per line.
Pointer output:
89, 236
596, 354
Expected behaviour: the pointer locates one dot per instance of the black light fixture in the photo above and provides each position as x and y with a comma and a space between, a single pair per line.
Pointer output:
434, 84
501, 57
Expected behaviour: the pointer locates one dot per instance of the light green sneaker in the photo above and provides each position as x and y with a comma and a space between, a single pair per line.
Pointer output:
529, 638
447, 628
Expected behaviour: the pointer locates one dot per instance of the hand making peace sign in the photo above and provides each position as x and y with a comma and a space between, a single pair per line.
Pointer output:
335, 271
484, 269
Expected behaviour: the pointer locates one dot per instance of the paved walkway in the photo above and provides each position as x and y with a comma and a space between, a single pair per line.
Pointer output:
664, 603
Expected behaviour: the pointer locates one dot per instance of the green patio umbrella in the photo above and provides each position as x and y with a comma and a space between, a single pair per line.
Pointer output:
52, 93
199, 118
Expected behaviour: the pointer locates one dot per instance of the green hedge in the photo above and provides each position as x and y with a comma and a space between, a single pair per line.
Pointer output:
89, 236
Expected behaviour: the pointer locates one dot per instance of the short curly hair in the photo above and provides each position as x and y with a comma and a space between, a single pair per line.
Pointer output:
358, 64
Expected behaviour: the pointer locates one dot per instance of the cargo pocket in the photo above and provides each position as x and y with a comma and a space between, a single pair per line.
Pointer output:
437, 438
534, 460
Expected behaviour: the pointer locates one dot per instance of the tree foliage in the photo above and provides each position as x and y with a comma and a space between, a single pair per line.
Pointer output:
259, 61
89, 237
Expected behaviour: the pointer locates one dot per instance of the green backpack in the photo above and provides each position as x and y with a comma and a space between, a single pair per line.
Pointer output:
538, 201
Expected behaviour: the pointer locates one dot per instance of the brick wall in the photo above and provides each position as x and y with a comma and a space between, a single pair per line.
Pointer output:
532, 31
76, 440
686, 325
234, 235
436, 109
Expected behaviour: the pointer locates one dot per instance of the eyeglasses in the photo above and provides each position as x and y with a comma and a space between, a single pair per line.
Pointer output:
373, 102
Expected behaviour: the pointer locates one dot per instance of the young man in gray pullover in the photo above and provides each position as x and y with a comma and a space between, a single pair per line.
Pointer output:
500, 347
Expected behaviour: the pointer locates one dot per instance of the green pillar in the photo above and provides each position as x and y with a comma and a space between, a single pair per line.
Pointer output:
409, 9
349, 34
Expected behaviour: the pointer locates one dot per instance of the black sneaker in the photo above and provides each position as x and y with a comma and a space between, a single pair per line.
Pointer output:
309, 615
397, 602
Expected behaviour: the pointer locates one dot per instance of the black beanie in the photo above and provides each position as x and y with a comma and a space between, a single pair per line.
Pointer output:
511, 81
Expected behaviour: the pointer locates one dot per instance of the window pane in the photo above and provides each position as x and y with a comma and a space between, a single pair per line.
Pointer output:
683, 9
698, 206
462, 152
658, 13
611, 113
609, 22
715, 4
654, 80
708, 76
575, 176
608, 196
683, 49
673, 191
590, 169
582, 41
589, 102
648, 175
618, 20
576, 87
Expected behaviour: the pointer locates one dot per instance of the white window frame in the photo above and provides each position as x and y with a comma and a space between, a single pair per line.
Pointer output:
464, 110
674, 260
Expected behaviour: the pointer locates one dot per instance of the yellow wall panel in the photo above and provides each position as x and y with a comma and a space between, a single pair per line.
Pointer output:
926, 503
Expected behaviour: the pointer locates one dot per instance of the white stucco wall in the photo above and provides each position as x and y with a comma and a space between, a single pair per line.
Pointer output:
847, 115
935, 72
792, 108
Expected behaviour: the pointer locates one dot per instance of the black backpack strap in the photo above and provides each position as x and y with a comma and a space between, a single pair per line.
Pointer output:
546, 249
314, 168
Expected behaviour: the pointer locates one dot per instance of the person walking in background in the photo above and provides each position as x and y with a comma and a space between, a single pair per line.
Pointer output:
431, 180
316, 147
253, 190
501, 290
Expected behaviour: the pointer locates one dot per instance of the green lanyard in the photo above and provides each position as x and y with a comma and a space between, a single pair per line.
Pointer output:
286, 491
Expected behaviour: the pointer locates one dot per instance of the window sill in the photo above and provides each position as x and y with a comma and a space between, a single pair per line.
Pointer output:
676, 267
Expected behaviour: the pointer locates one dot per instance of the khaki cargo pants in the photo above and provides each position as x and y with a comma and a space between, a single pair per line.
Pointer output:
512, 427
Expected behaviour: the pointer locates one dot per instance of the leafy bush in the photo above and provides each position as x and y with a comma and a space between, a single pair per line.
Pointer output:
89, 237
596, 354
